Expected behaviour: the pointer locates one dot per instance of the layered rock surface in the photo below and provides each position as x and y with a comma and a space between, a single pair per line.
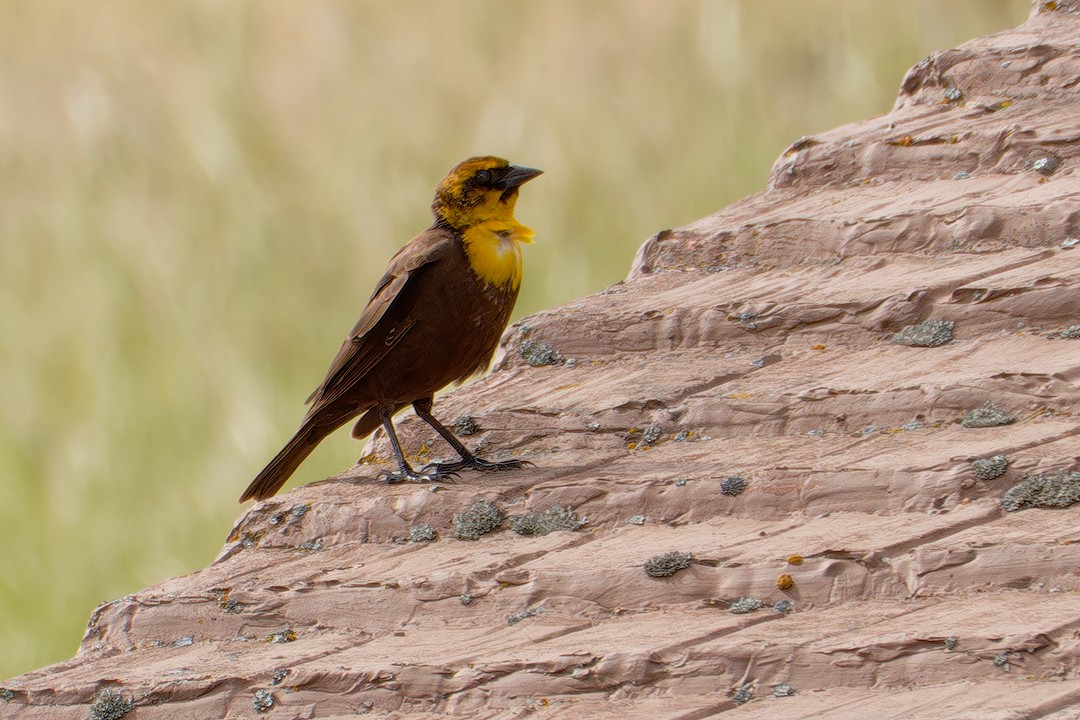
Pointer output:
757, 343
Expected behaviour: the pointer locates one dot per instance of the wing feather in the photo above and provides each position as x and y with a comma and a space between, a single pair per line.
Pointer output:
385, 320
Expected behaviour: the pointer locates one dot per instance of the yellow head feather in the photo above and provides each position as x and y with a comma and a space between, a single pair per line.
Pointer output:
477, 199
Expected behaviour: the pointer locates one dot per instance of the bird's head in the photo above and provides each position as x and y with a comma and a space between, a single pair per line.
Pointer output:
479, 190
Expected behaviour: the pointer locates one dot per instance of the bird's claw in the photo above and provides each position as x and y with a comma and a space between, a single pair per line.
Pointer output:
476, 464
410, 475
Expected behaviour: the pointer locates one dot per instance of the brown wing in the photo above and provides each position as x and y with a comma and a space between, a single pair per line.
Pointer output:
385, 320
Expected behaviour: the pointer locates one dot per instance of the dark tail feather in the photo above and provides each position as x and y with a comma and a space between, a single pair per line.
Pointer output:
281, 468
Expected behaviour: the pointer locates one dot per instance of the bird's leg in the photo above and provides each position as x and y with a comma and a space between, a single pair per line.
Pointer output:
405, 471
468, 459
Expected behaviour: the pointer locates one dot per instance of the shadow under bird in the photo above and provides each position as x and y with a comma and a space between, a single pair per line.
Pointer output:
435, 318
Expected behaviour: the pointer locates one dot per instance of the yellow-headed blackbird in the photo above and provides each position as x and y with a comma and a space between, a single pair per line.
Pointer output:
435, 318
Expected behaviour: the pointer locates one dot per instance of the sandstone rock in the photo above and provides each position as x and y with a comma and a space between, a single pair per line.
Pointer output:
753, 343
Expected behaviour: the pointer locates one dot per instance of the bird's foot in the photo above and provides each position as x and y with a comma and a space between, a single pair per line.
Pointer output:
423, 476
476, 463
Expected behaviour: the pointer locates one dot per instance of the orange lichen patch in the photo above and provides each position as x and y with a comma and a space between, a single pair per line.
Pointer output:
794, 559
224, 601
739, 396
785, 582
285, 636
817, 347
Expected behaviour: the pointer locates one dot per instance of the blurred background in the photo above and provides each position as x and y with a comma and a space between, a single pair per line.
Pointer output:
196, 198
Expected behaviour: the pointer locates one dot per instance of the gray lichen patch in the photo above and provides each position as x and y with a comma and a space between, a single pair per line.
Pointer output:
423, 533
539, 353
310, 545
287, 635
990, 468
466, 425
733, 485
743, 694
110, 704
263, 700
746, 604
783, 690
667, 564
522, 614
552, 519
296, 511
928, 333
650, 435
643, 438
783, 607
480, 519
1047, 164
746, 319
1046, 491
986, 416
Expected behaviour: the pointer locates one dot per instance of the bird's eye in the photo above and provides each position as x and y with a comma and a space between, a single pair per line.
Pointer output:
483, 177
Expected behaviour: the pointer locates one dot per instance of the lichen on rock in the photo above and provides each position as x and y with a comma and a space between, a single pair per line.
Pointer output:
990, 468
480, 519
1059, 490
986, 416
929, 333
554, 518
667, 564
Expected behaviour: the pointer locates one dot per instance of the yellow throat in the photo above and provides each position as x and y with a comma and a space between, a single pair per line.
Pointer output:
494, 251
477, 200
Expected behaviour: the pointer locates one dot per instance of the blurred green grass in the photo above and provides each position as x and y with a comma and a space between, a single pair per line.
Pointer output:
196, 198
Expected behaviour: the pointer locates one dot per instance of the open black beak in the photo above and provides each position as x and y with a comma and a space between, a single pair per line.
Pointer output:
515, 176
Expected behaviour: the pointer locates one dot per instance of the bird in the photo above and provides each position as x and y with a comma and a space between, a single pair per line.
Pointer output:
434, 318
